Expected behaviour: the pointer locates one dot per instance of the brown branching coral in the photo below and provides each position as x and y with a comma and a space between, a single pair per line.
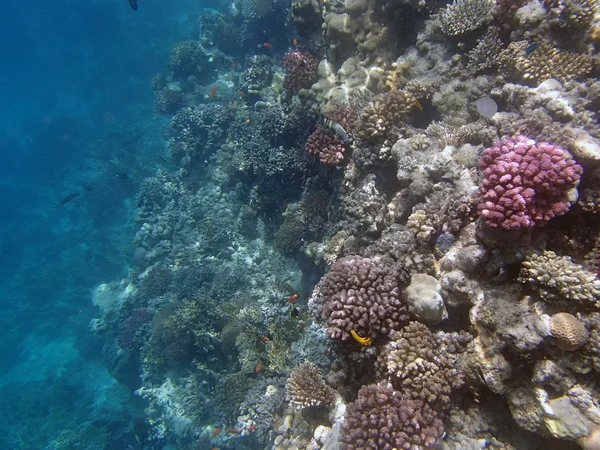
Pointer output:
382, 418
417, 365
306, 387
388, 110
573, 14
485, 54
558, 277
543, 62
463, 16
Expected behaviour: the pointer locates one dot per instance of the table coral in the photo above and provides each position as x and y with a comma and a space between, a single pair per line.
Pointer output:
526, 183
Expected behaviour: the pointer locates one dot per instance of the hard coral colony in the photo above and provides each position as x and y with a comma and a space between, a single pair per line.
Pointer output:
440, 180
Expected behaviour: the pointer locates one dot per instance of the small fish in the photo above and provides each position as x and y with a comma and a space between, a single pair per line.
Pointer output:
258, 369
294, 313
295, 42
232, 66
337, 129
266, 45
122, 176
532, 48
227, 77
133, 4
302, 324
241, 94
293, 298
216, 432
264, 339
66, 200
213, 92
361, 340
447, 180
251, 427
232, 430
248, 121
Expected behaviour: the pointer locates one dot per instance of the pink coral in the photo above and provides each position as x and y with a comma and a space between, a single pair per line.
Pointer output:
525, 183
330, 149
300, 69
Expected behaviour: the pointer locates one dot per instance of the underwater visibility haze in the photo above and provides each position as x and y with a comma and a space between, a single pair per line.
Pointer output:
300, 224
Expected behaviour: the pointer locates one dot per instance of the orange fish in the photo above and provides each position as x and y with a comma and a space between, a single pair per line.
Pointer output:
241, 94
216, 433
232, 66
267, 45
293, 298
227, 77
213, 91
251, 427
302, 324
258, 367
295, 41
233, 430
264, 339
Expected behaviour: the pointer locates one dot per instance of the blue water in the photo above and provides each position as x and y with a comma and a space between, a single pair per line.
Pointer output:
77, 115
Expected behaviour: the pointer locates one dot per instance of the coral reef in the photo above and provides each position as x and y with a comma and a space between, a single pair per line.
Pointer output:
416, 166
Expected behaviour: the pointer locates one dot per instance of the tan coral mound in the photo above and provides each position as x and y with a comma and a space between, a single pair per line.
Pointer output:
568, 331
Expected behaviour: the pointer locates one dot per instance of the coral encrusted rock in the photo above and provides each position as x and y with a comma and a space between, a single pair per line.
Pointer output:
382, 419
363, 297
526, 183
306, 387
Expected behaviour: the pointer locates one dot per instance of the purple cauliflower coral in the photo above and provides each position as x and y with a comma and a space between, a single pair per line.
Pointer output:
382, 419
362, 300
526, 183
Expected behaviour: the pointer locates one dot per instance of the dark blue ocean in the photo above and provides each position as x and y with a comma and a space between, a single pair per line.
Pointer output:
77, 116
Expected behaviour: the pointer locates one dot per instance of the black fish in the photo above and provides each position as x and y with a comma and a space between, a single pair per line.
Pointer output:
447, 180
133, 4
122, 176
532, 48
66, 200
